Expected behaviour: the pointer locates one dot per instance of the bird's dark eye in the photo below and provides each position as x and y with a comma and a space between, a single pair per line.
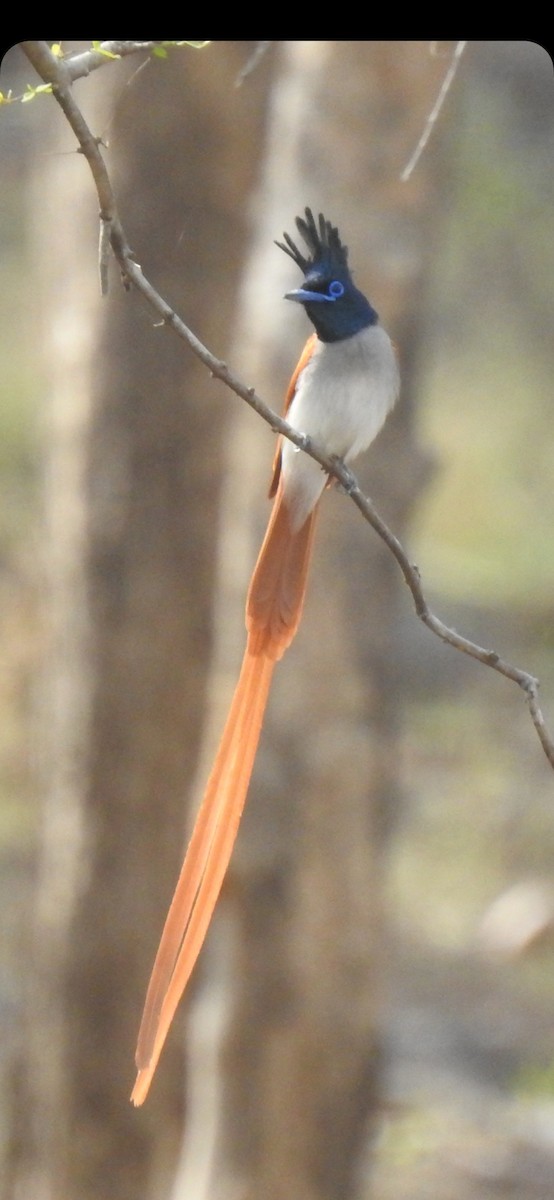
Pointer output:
336, 289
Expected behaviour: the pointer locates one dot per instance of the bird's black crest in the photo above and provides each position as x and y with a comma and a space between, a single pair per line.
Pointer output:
323, 242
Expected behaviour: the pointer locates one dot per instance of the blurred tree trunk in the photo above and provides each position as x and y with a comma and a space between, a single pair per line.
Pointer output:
300, 1085
133, 435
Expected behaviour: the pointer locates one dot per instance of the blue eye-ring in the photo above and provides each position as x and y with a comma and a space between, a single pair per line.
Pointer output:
336, 289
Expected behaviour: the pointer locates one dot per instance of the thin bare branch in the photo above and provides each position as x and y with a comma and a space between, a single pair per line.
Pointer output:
103, 257
56, 72
80, 65
258, 53
53, 71
433, 115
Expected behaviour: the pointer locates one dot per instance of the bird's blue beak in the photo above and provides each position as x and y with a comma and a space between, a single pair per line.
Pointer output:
303, 296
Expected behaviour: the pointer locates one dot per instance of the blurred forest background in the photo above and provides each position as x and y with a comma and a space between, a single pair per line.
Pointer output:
373, 1015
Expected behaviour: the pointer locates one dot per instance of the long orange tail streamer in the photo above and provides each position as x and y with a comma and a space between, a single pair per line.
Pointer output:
273, 612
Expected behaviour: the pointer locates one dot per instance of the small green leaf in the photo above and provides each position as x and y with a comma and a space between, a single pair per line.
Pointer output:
159, 50
31, 91
195, 45
105, 53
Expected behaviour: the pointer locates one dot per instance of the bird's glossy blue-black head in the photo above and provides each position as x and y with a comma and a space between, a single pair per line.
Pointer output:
334, 305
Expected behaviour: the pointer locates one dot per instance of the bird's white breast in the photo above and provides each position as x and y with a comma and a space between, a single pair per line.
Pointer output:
342, 398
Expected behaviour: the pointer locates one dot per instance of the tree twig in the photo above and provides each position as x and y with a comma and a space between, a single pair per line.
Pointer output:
433, 115
78, 66
259, 52
54, 71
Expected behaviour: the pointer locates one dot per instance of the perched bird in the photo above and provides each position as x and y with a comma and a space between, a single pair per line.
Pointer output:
345, 383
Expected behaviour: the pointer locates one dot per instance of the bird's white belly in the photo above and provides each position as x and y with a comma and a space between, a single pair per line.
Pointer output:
342, 399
